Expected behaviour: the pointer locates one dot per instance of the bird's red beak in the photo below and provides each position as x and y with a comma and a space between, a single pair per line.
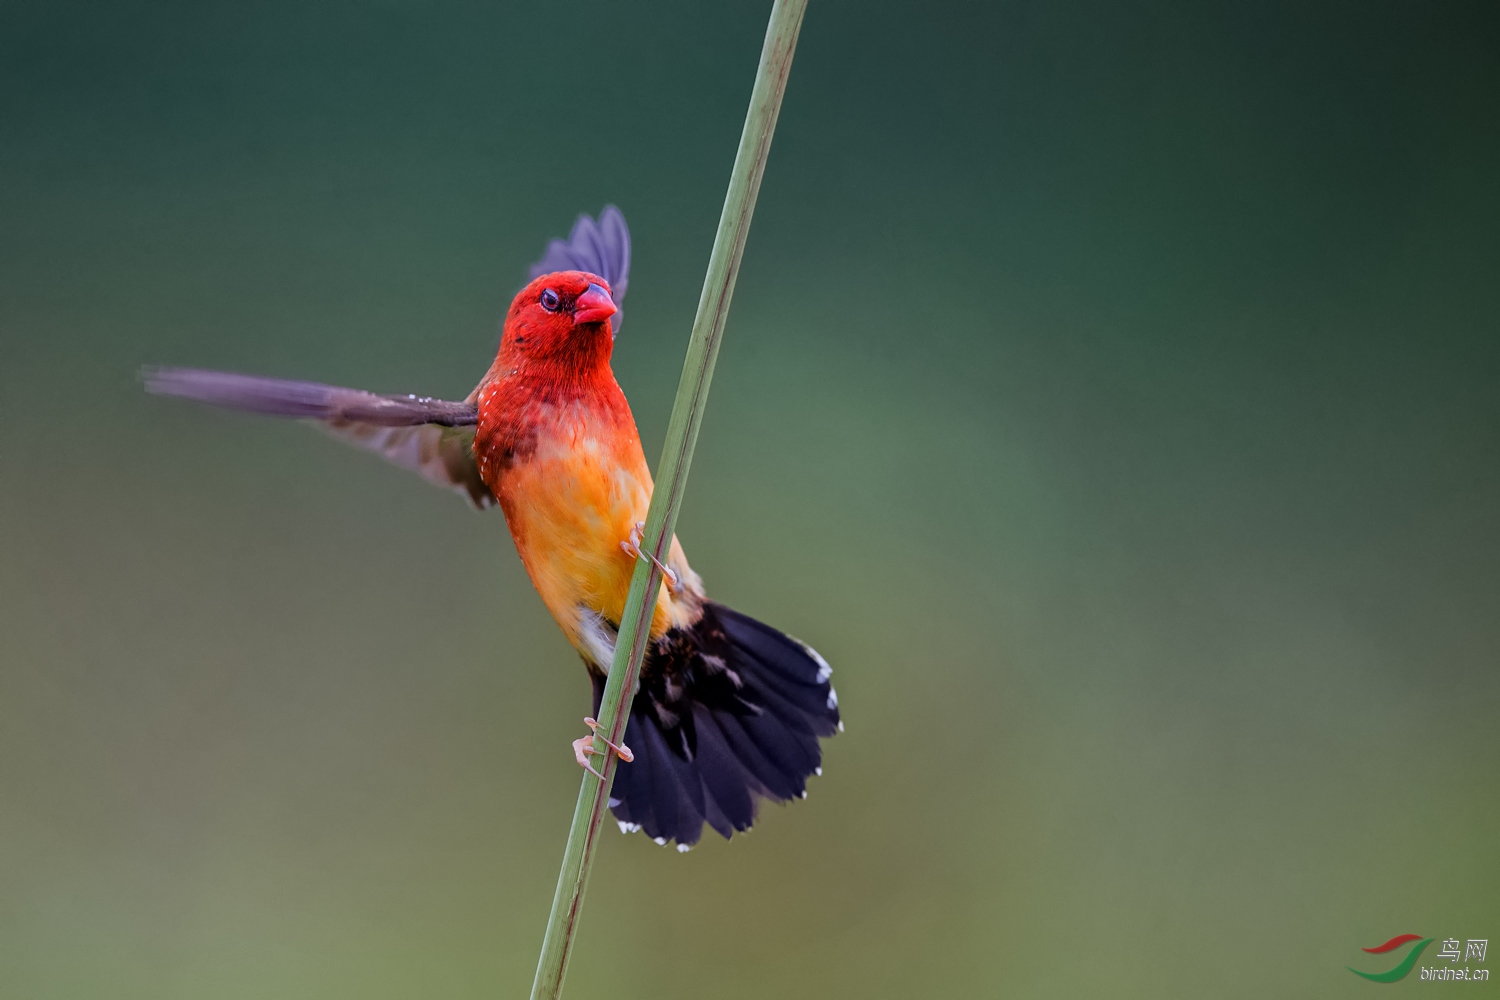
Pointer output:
594, 306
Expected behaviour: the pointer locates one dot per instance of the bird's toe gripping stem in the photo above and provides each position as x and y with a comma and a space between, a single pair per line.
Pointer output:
632, 548
584, 746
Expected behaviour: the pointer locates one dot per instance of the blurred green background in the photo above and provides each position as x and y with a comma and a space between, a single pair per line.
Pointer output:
1110, 393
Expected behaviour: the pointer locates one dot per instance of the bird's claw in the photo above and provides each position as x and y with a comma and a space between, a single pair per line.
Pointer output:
620, 749
583, 747
632, 548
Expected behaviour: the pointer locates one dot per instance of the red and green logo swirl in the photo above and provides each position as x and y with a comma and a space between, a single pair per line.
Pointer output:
1402, 967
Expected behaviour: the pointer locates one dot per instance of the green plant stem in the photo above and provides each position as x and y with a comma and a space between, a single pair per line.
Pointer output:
677, 456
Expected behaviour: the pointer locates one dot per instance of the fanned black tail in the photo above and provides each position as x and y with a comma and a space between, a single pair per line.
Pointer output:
728, 711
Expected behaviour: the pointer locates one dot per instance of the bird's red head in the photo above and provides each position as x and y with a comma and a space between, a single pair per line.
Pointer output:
561, 318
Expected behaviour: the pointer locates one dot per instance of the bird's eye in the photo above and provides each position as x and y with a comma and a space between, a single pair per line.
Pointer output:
549, 300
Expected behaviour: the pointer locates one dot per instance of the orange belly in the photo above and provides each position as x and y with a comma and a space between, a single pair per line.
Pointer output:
569, 503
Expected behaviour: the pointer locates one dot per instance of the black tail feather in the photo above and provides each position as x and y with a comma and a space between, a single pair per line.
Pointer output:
776, 783
728, 712
724, 778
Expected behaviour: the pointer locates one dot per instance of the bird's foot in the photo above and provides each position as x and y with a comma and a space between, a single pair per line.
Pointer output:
583, 747
632, 548
620, 749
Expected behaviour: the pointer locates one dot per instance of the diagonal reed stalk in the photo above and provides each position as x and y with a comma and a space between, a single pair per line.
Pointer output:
671, 480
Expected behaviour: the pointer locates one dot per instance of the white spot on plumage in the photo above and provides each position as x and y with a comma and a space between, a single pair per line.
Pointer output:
841, 725
818, 771
824, 670
833, 698
598, 638
684, 848
660, 841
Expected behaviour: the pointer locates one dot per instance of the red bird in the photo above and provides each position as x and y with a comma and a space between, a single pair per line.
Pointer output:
729, 709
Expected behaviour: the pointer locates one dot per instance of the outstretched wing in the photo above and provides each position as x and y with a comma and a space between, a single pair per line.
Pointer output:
444, 456
279, 397
432, 437
601, 248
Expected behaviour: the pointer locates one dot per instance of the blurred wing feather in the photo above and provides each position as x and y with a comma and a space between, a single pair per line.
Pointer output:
432, 437
444, 456
284, 398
